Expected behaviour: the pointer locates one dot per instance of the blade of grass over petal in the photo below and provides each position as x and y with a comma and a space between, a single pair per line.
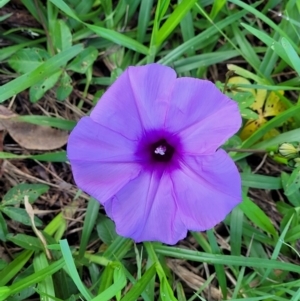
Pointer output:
43, 71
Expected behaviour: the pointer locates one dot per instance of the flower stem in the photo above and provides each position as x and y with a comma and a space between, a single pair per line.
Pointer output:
245, 150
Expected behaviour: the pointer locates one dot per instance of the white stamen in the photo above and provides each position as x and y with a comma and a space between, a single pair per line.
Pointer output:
161, 150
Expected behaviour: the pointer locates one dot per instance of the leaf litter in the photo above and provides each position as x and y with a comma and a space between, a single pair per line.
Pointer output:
31, 136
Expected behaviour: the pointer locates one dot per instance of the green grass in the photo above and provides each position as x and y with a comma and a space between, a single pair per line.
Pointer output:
76, 254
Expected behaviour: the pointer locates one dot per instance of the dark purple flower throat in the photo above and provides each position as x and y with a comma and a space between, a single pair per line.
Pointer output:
162, 151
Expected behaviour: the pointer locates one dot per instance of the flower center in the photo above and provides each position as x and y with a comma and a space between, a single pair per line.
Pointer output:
162, 151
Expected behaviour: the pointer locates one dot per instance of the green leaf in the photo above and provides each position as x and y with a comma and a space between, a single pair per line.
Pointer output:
118, 249
69, 261
273, 123
236, 231
220, 271
217, 7
293, 198
62, 39
263, 17
45, 286
48, 157
88, 225
58, 123
108, 34
28, 59
37, 91
26, 242
4, 290
3, 228
37, 276
289, 136
199, 40
293, 183
119, 282
173, 20
260, 181
228, 260
20, 215
84, 60
14, 267
244, 99
106, 229
140, 286
276, 46
292, 54
6, 52
16, 194
143, 19
257, 216
3, 2
166, 293
106, 278
64, 87
41, 72
248, 114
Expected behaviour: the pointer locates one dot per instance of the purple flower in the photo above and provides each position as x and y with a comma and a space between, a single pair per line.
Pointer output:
149, 153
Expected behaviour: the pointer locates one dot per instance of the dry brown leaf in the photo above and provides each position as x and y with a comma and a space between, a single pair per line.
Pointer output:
194, 281
31, 136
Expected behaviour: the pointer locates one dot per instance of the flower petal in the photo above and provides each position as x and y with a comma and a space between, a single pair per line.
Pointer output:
145, 210
138, 98
203, 116
102, 160
207, 188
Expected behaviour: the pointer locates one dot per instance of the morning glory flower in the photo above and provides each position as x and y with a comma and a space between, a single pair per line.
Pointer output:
150, 153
